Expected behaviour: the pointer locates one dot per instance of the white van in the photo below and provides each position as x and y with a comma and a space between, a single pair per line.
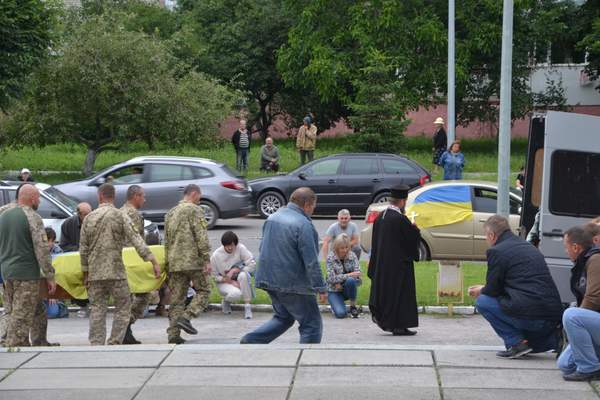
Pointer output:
562, 182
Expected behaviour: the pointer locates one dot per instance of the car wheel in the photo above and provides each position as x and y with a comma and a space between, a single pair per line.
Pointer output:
211, 214
382, 197
268, 203
423, 251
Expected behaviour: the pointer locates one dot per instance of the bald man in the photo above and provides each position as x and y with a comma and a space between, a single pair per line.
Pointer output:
25, 260
71, 228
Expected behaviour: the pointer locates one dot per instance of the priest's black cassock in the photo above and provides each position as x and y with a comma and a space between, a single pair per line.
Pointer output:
395, 245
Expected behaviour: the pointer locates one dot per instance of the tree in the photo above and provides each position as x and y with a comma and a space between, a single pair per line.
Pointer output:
591, 43
107, 86
26, 29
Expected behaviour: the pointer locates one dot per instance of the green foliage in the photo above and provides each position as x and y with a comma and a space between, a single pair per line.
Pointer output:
27, 29
108, 86
591, 43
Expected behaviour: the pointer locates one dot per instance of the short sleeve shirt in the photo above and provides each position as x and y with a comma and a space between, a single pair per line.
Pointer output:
335, 230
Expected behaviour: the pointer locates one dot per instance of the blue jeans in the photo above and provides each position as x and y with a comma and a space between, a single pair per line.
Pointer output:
583, 330
287, 308
242, 159
540, 334
336, 299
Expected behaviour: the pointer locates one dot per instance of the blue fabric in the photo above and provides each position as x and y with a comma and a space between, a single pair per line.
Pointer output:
242, 159
336, 299
540, 334
583, 352
453, 164
289, 254
287, 308
446, 194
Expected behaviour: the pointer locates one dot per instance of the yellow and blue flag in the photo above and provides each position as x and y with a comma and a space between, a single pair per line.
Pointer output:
442, 205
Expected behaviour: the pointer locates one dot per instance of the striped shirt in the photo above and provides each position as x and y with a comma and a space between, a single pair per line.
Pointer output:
244, 142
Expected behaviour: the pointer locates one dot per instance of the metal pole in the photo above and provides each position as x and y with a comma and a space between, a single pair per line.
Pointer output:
451, 82
505, 108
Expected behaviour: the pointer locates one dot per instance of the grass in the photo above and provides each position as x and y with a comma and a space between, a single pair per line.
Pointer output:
426, 279
65, 160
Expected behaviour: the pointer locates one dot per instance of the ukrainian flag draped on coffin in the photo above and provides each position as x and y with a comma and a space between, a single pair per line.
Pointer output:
442, 205
140, 274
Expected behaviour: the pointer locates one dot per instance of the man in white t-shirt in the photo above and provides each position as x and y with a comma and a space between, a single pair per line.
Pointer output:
232, 266
343, 225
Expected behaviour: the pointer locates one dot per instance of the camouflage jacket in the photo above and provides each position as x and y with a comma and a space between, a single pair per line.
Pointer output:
104, 233
38, 238
186, 240
136, 218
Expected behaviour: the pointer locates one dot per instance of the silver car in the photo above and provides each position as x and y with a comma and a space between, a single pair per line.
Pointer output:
224, 194
55, 207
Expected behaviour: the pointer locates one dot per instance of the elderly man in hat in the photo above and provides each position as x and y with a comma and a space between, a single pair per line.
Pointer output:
25, 175
440, 141
395, 246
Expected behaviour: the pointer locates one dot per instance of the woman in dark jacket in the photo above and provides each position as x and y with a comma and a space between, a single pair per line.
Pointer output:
440, 141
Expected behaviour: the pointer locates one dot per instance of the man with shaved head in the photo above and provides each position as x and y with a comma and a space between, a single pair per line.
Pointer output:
71, 228
25, 260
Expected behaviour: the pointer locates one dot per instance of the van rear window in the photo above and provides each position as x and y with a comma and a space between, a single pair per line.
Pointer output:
575, 184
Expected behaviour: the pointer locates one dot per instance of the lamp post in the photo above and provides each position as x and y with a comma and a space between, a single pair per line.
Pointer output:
451, 74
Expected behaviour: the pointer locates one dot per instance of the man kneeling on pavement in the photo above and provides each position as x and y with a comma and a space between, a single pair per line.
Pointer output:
519, 299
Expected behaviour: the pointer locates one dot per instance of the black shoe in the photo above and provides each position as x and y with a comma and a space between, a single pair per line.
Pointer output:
580, 376
560, 341
403, 332
129, 338
176, 340
354, 311
516, 351
186, 325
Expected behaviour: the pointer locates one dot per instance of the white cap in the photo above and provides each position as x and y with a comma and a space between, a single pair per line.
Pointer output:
26, 171
439, 121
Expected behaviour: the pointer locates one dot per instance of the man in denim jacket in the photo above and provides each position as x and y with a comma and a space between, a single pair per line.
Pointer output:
289, 271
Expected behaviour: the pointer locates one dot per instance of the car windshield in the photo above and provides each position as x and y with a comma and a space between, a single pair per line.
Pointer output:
62, 198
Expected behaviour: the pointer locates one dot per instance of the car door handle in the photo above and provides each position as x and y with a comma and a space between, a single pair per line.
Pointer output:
482, 220
181, 188
331, 181
554, 233
375, 180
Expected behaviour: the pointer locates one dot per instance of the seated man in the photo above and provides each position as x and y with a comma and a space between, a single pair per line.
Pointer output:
519, 299
232, 265
269, 156
580, 360
343, 225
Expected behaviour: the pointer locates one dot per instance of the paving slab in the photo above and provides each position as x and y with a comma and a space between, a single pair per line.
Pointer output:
366, 357
97, 378
365, 392
212, 393
96, 359
69, 394
4, 372
519, 394
469, 378
488, 359
366, 376
232, 357
221, 376
13, 360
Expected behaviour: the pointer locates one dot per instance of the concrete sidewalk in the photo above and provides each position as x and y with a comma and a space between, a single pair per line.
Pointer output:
280, 372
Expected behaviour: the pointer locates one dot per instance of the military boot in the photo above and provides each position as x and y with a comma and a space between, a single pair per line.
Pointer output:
129, 338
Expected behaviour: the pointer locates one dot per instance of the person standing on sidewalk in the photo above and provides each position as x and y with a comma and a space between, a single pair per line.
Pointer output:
306, 140
519, 298
241, 140
104, 233
24, 252
139, 301
580, 361
289, 271
187, 251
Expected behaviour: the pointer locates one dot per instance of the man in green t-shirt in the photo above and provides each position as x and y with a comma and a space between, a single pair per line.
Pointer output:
24, 257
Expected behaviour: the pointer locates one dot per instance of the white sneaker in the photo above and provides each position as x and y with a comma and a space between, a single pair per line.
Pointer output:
248, 311
226, 306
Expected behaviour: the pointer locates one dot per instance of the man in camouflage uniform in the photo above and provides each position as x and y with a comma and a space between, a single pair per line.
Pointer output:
104, 233
139, 301
24, 253
187, 252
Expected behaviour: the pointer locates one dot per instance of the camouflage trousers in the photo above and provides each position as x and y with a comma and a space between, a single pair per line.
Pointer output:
98, 292
25, 312
139, 302
179, 283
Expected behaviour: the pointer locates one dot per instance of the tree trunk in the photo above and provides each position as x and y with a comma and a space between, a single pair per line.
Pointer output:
90, 160
264, 120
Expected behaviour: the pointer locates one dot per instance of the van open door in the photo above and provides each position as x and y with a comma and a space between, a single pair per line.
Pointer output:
570, 192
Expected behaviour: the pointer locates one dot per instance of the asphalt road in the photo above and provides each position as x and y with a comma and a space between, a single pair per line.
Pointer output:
249, 230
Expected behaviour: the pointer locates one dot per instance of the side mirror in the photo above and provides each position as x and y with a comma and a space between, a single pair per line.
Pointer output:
302, 176
58, 215
100, 181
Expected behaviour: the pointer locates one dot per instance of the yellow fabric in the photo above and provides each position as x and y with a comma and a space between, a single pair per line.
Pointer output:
430, 214
140, 274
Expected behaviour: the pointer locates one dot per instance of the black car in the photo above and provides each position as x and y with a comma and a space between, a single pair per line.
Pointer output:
351, 181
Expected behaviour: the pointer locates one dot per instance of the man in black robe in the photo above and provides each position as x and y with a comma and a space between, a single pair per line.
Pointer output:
395, 245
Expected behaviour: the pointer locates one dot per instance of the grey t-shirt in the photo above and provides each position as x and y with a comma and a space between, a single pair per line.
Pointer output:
335, 229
